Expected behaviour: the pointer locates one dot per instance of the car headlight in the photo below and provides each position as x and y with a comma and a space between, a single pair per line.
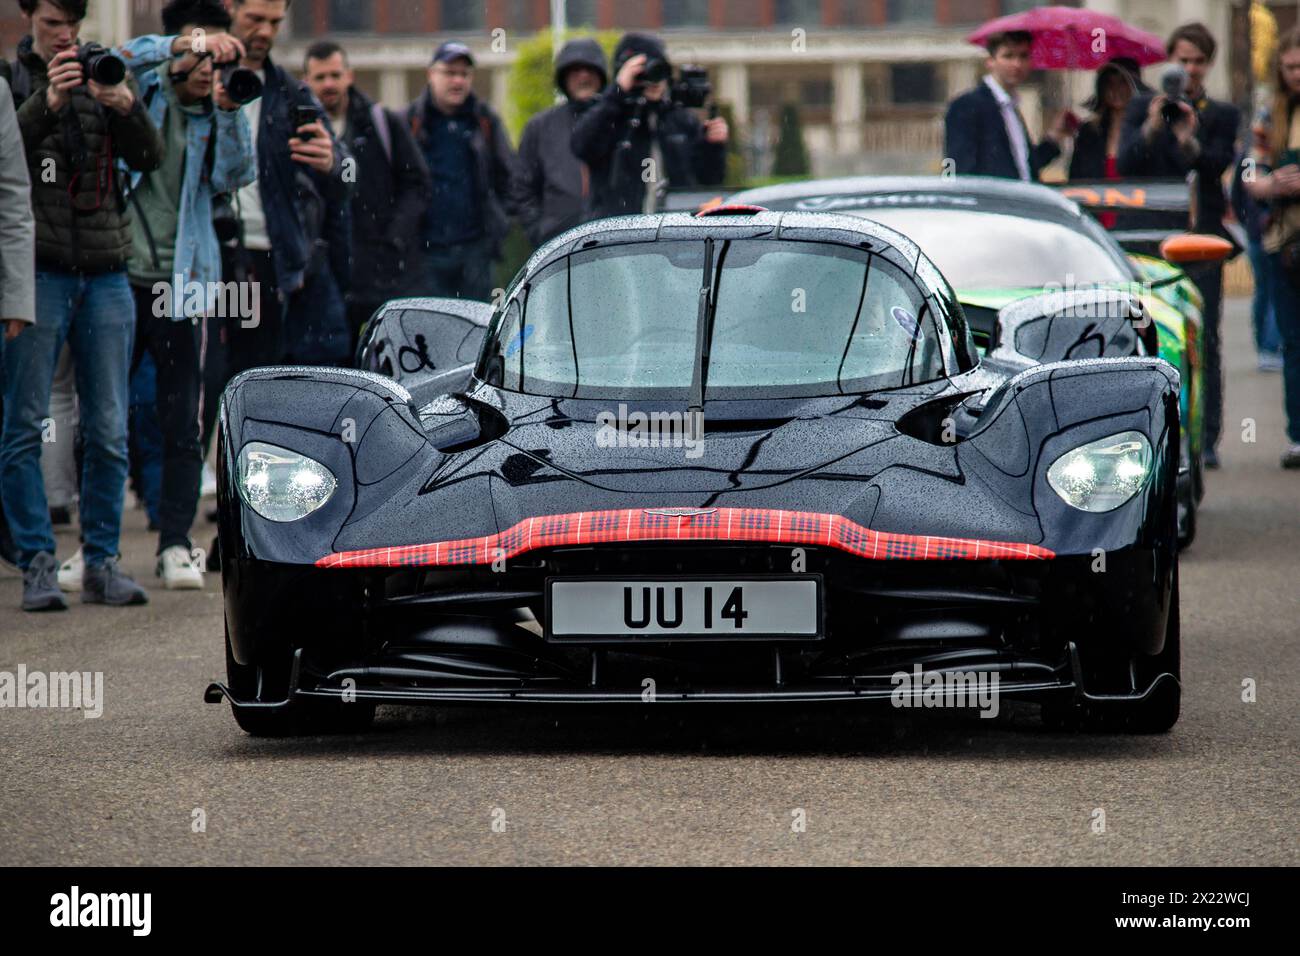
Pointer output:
1102, 475
282, 485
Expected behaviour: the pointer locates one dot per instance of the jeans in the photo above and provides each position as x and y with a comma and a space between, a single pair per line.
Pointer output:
59, 458
1262, 314
459, 272
94, 314
1208, 277
145, 438
1286, 306
176, 347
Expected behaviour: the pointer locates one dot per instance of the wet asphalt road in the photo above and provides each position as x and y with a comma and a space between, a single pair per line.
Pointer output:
667, 786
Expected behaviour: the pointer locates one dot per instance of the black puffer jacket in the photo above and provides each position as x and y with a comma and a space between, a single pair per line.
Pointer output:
96, 237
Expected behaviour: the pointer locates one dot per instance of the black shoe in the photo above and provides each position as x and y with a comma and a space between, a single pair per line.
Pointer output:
1291, 457
1210, 459
61, 516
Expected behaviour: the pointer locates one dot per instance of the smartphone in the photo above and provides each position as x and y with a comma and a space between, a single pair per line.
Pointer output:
304, 116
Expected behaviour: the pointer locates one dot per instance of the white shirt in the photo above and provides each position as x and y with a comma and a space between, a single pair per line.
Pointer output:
249, 198
1015, 131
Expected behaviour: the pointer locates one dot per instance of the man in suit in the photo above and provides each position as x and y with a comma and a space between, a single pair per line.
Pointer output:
1202, 139
984, 132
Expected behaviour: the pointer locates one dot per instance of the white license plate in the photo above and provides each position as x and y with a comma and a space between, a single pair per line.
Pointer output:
677, 607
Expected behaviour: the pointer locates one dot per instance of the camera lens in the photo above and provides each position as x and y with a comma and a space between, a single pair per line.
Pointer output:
241, 83
656, 71
102, 66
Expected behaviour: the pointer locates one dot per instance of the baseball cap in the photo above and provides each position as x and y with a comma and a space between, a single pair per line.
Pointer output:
453, 50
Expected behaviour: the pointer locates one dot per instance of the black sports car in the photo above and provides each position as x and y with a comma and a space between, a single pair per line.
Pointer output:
734, 457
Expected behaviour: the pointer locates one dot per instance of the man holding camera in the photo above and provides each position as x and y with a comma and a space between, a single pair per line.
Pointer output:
80, 114
176, 260
293, 223
1172, 133
637, 140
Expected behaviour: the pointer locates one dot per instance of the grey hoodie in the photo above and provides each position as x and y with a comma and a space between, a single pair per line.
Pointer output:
553, 185
17, 227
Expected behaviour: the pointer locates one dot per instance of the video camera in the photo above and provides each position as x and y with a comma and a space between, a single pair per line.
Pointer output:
100, 64
691, 89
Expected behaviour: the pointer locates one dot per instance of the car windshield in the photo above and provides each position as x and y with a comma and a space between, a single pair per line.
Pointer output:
986, 250
790, 319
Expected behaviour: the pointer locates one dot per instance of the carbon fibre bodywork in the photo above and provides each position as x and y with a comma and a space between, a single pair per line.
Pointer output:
923, 513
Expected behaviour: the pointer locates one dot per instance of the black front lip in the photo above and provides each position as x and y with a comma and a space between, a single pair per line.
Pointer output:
1063, 683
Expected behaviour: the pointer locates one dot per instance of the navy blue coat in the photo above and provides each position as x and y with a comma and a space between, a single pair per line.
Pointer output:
975, 138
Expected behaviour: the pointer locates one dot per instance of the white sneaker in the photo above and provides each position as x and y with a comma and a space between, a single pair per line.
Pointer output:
208, 486
70, 572
180, 570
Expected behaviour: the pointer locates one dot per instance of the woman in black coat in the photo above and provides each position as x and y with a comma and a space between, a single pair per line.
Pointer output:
1096, 148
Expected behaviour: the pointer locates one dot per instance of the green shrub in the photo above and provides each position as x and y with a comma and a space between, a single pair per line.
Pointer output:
791, 153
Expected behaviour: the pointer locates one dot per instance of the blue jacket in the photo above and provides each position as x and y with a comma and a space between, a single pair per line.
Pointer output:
197, 252
975, 138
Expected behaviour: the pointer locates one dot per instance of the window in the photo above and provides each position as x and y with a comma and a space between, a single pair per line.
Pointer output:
791, 318
462, 15
1031, 253
914, 83
799, 13
581, 13
910, 11
351, 16
686, 13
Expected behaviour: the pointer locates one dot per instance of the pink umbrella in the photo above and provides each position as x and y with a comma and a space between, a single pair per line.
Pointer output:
1074, 38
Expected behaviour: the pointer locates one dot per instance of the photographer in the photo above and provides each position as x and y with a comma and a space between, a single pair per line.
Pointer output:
293, 222
637, 141
1175, 132
80, 114
207, 149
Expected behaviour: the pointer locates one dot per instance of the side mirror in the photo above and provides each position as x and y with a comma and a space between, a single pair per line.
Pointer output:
1195, 247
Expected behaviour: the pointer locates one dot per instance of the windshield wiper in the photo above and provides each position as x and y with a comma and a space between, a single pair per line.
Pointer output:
704, 335
695, 402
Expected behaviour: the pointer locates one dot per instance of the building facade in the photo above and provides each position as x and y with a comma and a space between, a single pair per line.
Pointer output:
871, 77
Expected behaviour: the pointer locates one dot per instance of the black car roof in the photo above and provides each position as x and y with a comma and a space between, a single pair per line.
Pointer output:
979, 193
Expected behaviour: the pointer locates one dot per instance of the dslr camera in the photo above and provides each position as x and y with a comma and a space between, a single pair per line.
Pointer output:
691, 89
100, 64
